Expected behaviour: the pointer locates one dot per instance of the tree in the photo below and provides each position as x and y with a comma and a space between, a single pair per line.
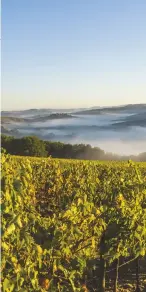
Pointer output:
32, 146
6, 143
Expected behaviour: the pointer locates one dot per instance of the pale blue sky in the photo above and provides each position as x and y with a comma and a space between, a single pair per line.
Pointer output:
73, 53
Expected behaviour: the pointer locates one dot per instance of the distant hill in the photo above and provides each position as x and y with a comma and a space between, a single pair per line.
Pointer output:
138, 120
93, 110
130, 108
52, 117
9, 119
38, 112
13, 132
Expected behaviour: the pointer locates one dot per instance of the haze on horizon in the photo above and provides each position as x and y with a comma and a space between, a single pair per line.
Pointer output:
65, 108
57, 54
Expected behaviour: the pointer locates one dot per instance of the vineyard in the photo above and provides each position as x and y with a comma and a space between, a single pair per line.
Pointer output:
73, 225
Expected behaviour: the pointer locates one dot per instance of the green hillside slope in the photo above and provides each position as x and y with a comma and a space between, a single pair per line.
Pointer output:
73, 225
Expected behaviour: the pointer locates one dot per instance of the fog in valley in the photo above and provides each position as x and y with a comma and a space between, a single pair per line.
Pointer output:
121, 130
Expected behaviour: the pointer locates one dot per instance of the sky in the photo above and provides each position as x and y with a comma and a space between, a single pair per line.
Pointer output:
73, 53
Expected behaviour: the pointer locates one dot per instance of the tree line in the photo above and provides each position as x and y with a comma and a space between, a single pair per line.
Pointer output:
33, 146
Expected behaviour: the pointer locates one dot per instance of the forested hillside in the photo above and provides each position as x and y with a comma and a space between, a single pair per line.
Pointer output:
33, 146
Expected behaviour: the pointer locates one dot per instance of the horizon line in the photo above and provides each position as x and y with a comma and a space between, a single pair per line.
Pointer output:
71, 108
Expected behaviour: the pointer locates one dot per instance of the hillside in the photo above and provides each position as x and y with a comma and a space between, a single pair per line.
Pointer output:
39, 118
120, 130
52, 117
8, 120
32, 146
130, 108
66, 223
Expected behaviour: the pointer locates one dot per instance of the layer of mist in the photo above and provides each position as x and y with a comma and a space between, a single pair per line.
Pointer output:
117, 130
